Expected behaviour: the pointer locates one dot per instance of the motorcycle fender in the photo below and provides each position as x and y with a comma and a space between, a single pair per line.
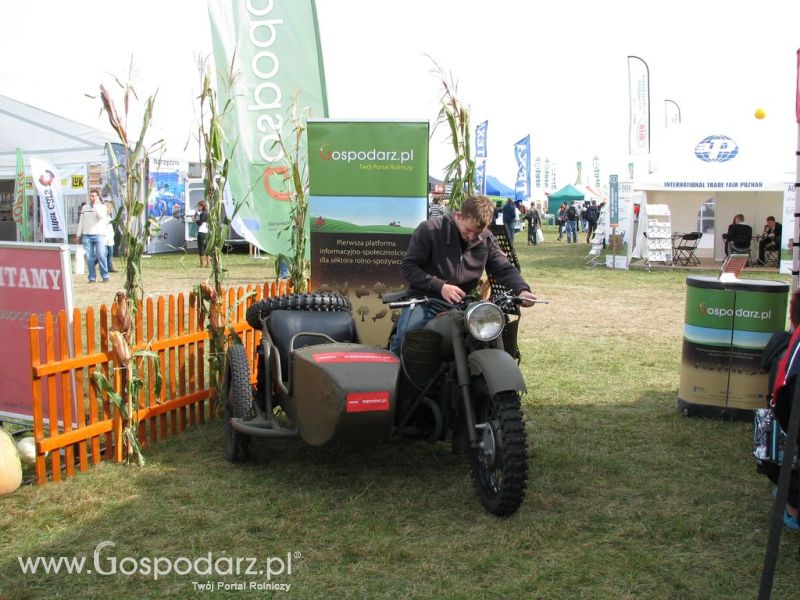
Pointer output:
500, 371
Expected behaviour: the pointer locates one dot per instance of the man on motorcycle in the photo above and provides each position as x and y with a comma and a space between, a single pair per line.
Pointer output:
445, 259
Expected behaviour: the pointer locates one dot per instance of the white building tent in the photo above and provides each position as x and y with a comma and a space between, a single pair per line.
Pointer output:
38, 133
706, 176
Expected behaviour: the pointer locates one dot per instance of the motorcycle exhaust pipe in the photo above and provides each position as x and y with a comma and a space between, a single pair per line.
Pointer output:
262, 429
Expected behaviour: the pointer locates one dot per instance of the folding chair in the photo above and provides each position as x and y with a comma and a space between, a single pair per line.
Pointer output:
685, 249
772, 256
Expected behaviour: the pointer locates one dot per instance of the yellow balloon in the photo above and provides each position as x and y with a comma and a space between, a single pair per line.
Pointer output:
760, 114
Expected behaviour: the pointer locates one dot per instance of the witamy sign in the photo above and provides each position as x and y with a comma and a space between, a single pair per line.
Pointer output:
34, 278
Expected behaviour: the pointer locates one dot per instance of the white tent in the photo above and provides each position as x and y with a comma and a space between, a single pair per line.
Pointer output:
51, 137
707, 176
42, 134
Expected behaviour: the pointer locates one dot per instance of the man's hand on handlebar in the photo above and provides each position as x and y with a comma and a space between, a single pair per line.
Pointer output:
528, 298
452, 293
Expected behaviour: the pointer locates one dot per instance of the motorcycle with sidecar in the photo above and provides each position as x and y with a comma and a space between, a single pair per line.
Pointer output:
458, 378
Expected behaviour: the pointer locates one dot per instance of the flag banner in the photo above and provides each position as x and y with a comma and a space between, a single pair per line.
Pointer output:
522, 152
613, 200
21, 200
368, 191
278, 54
480, 178
51, 198
553, 175
579, 167
639, 98
547, 173
596, 172
537, 172
630, 170
480, 139
672, 114
797, 91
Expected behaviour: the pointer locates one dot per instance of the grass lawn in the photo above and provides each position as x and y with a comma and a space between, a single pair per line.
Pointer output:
626, 498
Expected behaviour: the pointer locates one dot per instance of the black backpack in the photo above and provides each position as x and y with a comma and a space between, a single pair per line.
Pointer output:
571, 213
591, 213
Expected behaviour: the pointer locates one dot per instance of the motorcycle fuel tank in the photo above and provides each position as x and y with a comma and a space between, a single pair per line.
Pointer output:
344, 392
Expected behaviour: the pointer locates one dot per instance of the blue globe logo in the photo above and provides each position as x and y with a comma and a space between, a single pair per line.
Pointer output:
716, 148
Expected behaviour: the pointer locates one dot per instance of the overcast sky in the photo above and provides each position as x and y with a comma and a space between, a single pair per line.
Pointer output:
556, 71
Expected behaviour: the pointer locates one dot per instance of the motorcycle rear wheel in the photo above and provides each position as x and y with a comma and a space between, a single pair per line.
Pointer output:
500, 466
238, 403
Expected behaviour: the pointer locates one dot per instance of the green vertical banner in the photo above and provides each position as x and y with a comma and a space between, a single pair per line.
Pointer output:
276, 54
368, 184
20, 200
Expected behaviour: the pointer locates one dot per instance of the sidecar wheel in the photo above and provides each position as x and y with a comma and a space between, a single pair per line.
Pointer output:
500, 466
238, 403
316, 301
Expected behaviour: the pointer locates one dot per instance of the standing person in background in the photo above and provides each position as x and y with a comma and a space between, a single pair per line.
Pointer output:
435, 208
509, 216
592, 216
110, 237
560, 219
571, 218
92, 232
201, 218
534, 220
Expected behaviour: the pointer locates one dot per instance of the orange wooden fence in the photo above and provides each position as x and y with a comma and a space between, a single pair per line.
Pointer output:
63, 380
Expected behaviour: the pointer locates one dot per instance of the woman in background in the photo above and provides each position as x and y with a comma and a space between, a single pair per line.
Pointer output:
110, 238
201, 218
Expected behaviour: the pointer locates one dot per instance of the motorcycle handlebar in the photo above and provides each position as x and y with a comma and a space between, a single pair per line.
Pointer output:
426, 300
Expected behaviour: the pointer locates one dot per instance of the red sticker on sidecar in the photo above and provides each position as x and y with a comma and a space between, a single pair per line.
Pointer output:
367, 401
355, 357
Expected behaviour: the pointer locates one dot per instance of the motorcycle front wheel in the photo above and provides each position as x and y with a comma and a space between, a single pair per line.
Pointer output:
500, 463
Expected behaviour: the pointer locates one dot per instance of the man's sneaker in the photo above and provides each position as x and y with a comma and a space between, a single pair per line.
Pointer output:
790, 522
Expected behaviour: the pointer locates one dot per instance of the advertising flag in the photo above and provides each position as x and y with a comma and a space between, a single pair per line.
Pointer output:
547, 173
672, 113
537, 172
480, 139
277, 55
51, 198
579, 167
613, 200
480, 178
522, 151
797, 91
596, 171
21, 200
639, 98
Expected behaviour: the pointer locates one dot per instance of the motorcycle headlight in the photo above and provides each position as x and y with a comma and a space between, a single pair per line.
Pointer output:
485, 321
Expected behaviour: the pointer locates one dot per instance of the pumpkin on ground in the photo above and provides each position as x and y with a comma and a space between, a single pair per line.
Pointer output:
10, 465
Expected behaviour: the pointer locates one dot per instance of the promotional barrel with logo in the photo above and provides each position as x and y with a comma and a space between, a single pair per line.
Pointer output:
726, 327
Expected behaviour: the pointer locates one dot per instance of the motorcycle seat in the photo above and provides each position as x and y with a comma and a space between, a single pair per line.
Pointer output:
285, 324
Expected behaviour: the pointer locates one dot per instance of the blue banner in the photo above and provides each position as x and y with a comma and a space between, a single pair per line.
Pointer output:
480, 139
480, 178
522, 151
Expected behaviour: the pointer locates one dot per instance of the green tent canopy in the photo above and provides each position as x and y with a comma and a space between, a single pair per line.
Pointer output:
568, 193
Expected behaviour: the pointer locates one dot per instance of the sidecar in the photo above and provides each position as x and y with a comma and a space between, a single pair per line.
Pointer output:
329, 387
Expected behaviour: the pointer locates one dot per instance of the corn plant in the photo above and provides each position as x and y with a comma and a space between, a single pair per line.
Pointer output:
215, 151
460, 172
130, 171
296, 163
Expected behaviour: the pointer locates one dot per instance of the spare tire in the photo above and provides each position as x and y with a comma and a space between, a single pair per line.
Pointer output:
316, 301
